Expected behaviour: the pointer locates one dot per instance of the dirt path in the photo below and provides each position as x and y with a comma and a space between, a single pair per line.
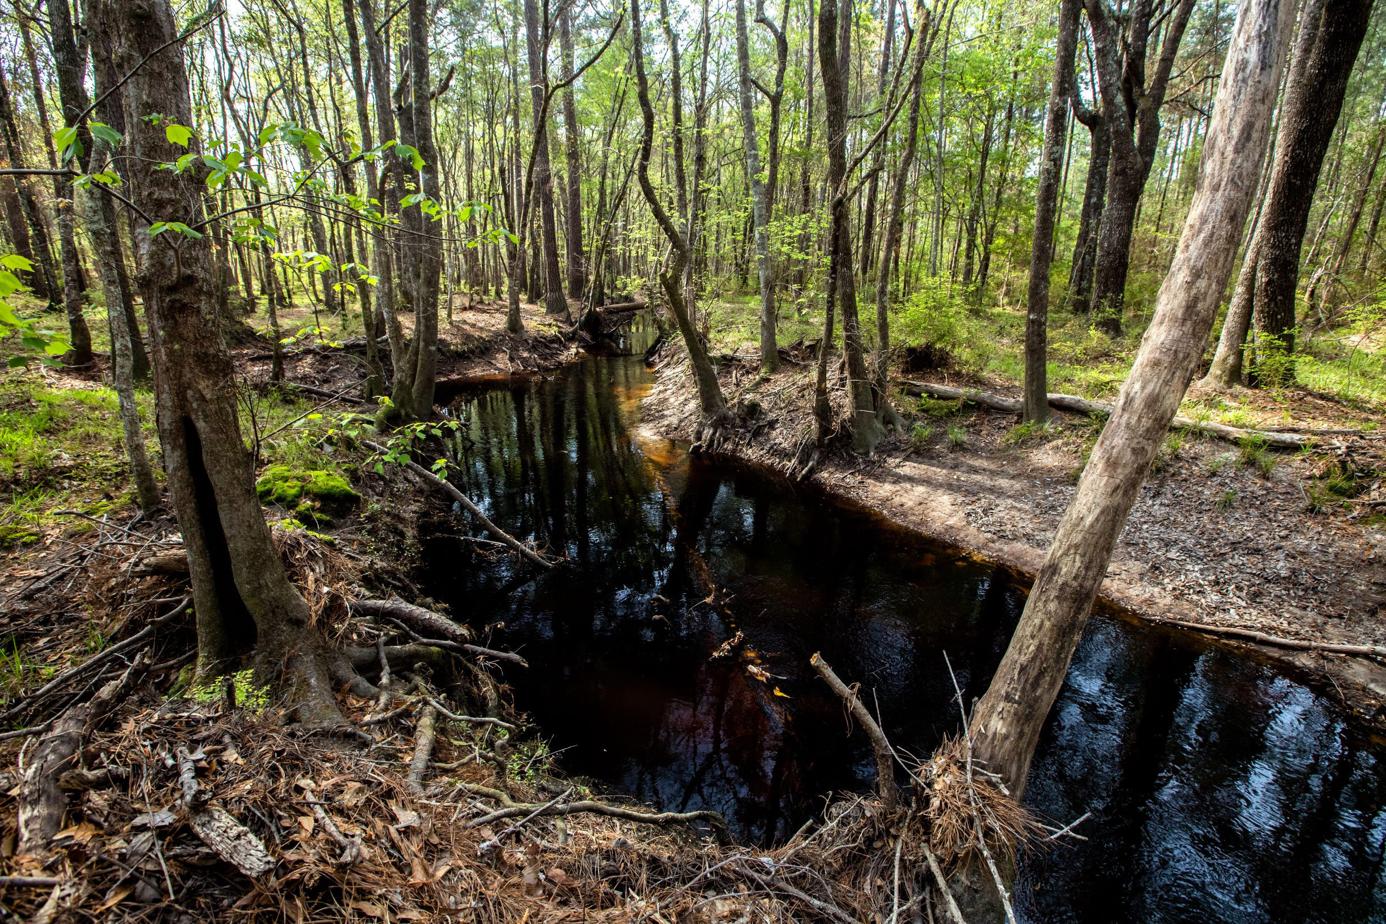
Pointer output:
1213, 539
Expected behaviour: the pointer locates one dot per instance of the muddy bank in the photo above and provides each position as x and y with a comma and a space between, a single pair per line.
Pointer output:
1213, 539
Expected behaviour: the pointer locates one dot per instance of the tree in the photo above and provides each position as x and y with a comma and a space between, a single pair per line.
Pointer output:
1008, 719
1131, 102
1036, 402
769, 353
834, 41
537, 47
241, 593
1332, 35
576, 260
710, 398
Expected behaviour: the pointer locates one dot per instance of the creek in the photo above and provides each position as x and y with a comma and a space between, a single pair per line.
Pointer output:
1221, 787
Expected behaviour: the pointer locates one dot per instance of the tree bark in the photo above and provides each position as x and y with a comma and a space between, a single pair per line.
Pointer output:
1036, 390
1131, 102
769, 353
240, 589
1333, 31
554, 302
577, 261
710, 399
834, 61
1010, 716
1094, 203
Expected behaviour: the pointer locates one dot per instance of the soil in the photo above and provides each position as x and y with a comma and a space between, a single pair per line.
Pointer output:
1214, 539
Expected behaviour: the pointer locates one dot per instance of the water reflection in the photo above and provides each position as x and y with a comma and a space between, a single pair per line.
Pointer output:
1220, 789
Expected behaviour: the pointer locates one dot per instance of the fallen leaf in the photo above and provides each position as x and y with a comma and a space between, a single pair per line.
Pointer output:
117, 895
407, 817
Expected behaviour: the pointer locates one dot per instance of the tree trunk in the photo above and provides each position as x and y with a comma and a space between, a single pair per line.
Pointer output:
1036, 390
710, 398
1131, 102
1008, 719
554, 302
1094, 203
1312, 104
72, 92
380, 254
895, 220
240, 589
769, 353
577, 276
834, 61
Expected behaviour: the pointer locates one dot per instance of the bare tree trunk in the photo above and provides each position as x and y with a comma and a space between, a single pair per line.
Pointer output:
1131, 102
1094, 203
769, 352
380, 254
1008, 719
710, 398
1036, 391
1313, 102
554, 302
577, 276
834, 61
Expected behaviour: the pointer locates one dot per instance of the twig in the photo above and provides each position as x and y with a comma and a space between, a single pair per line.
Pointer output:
475, 720
1068, 828
37, 881
94, 662
943, 886
351, 846
496, 841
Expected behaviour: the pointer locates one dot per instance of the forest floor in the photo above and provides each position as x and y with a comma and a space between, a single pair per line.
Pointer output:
1223, 535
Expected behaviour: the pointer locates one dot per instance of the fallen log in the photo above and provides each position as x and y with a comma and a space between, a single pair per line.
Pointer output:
1251, 635
1277, 439
42, 799
525, 551
423, 748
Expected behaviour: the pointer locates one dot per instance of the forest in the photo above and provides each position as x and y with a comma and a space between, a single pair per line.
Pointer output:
886, 461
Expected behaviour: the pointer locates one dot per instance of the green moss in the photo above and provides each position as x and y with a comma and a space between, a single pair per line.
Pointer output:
282, 485
15, 536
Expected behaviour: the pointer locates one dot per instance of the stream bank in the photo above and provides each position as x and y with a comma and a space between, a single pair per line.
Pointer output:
1214, 539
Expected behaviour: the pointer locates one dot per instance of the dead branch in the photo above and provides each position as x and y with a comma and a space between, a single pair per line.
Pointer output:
1274, 438
227, 837
352, 847
90, 665
42, 800
416, 616
1251, 635
942, 883
471, 719
885, 755
525, 551
512, 809
423, 748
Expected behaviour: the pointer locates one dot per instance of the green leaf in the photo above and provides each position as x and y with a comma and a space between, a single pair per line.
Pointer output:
9, 283
159, 227
15, 262
106, 133
178, 134
16, 361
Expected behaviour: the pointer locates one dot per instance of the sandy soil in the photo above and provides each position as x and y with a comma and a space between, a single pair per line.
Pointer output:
1209, 541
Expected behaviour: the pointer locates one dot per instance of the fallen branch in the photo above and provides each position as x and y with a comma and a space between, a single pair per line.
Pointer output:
947, 893
472, 719
227, 837
351, 846
885, 755
1251, 635
512, 809
423, 748
525, 551
42, 800
1275, 438
416, 616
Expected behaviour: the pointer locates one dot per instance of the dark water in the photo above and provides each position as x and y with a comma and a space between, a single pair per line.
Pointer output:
1221, 789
